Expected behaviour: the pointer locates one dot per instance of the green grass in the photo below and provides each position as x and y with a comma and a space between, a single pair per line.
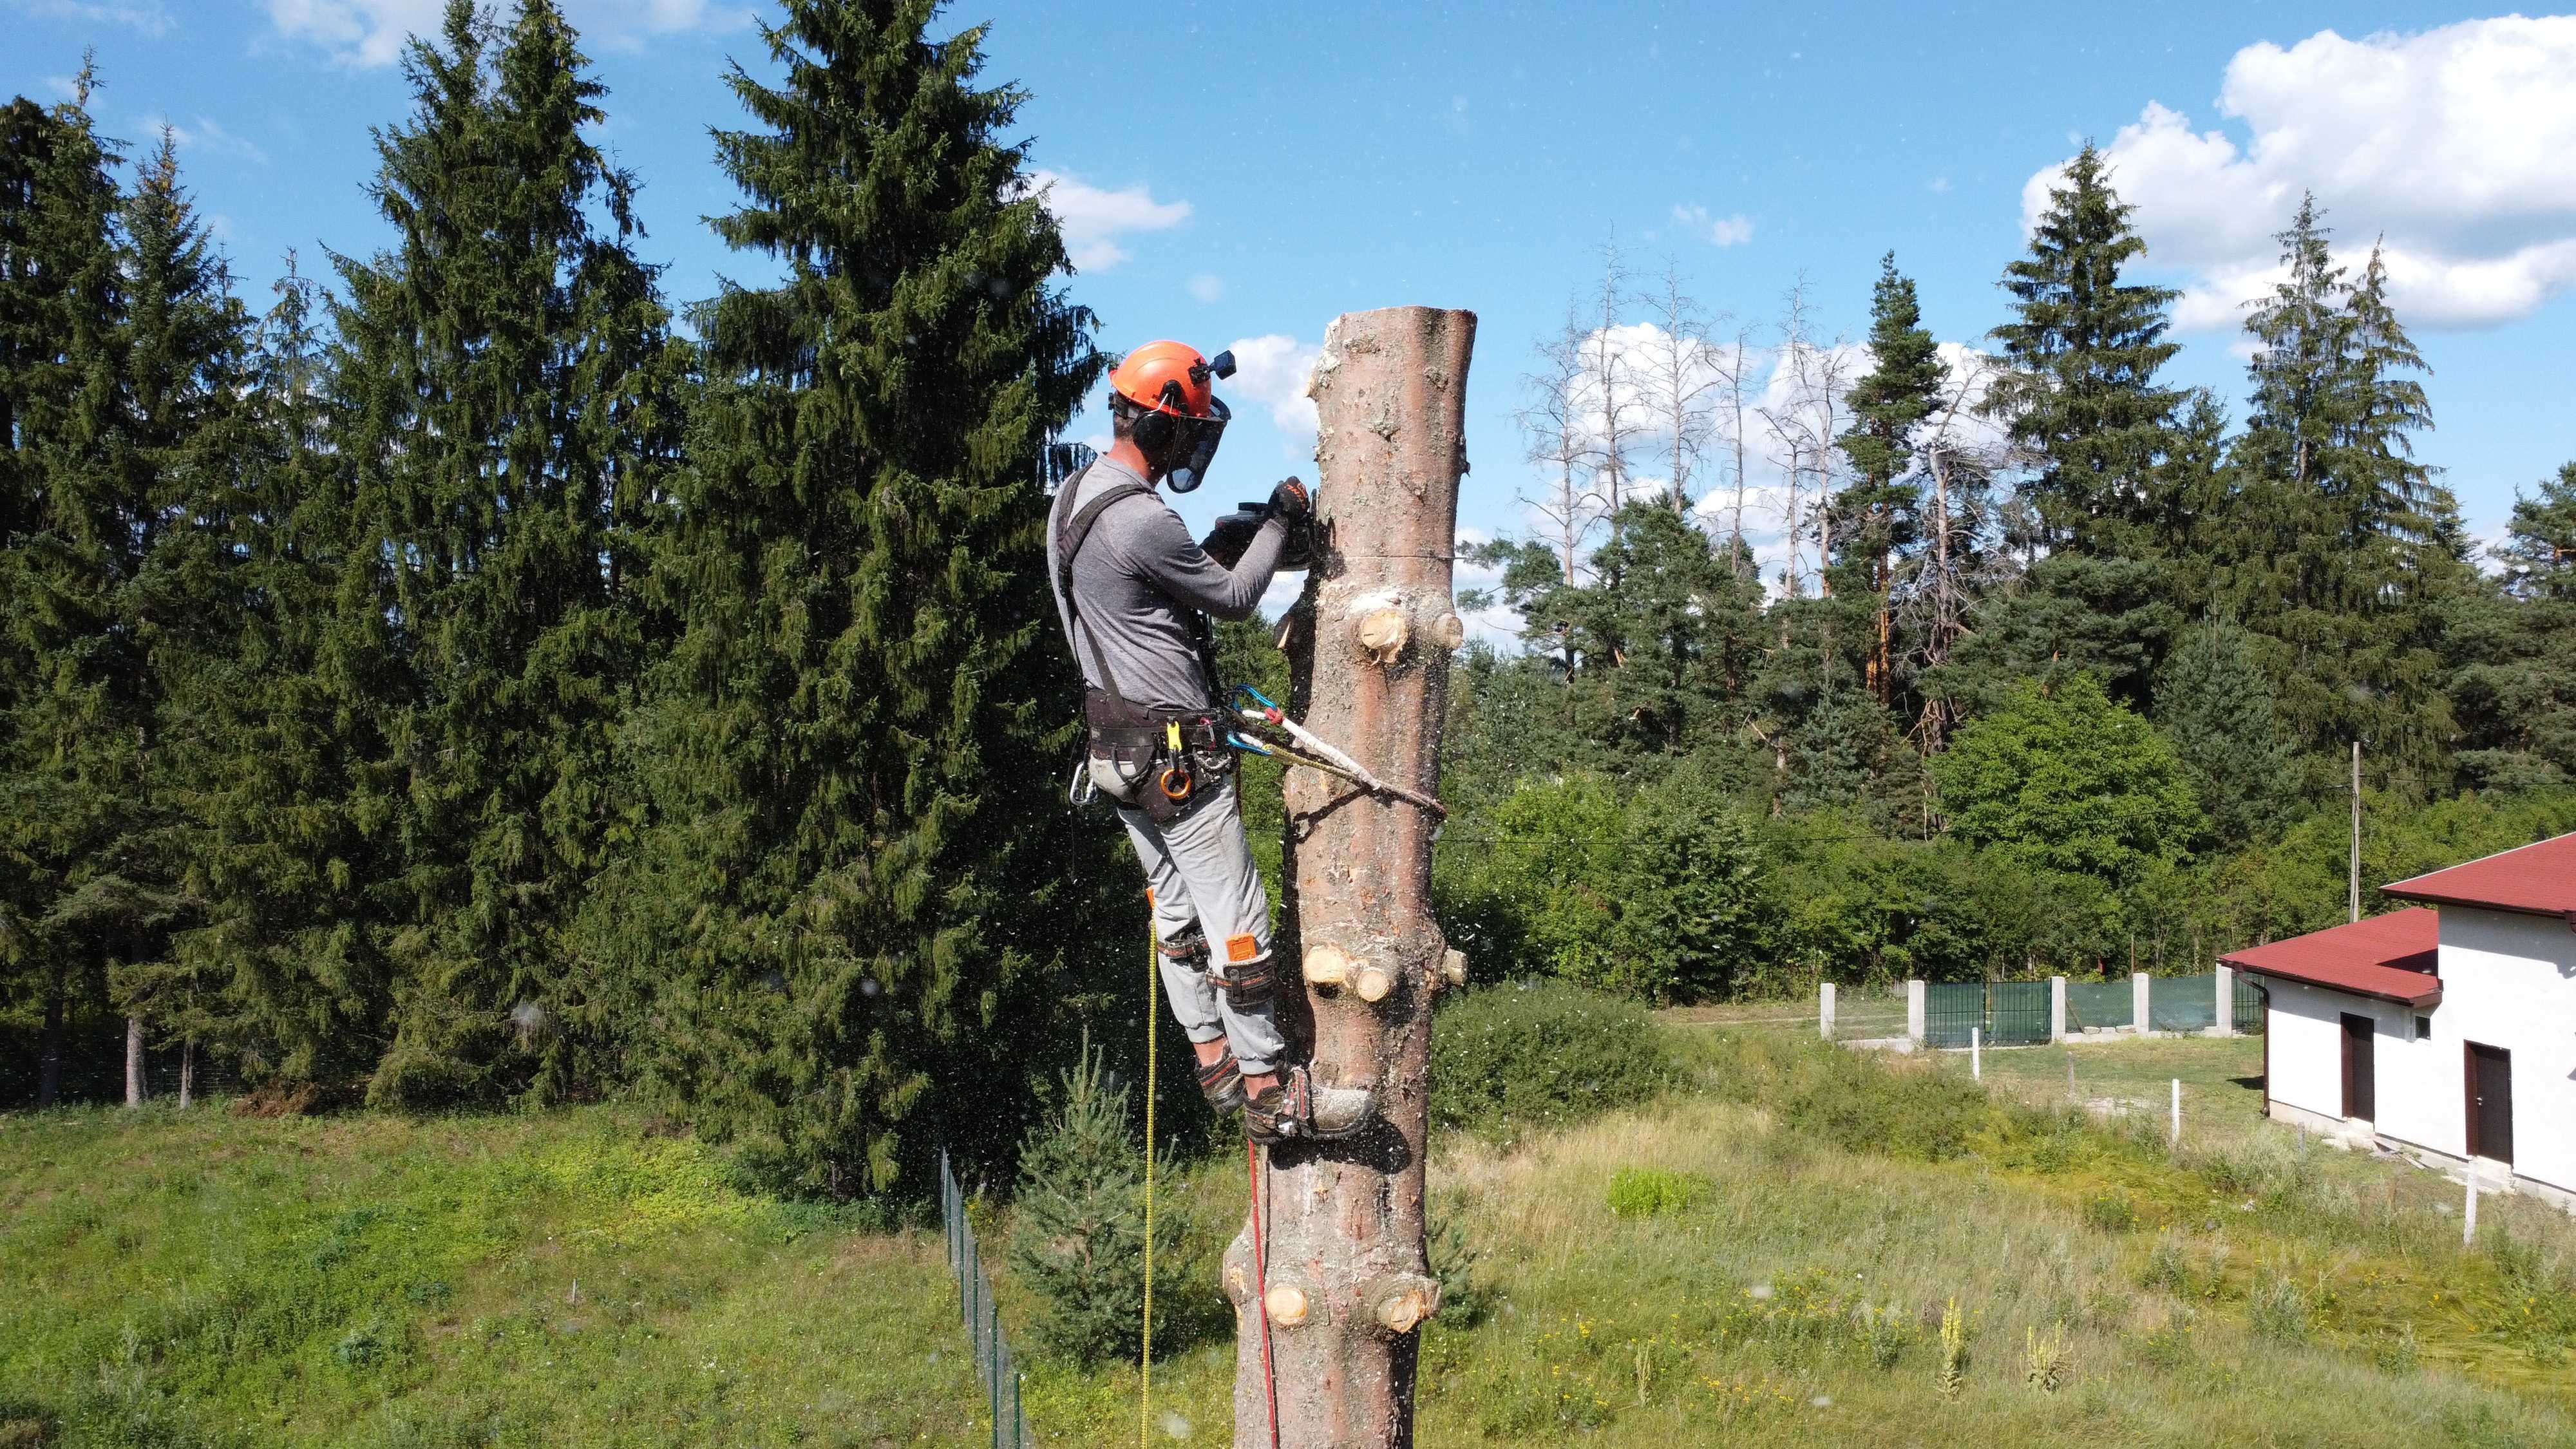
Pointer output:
566, 1279
1762, 1253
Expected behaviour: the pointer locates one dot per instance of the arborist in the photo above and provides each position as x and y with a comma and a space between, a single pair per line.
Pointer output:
1135, 594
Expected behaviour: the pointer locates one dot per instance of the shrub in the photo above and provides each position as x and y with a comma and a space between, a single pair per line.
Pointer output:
1645, 1192
1078, 1228
2396, 1353
2278, 1311
2169, 1347
1520, 1057
2111, 1212
2167, 1268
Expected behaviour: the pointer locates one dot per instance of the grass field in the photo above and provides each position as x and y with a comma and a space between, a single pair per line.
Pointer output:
1796, 1220
555, 1280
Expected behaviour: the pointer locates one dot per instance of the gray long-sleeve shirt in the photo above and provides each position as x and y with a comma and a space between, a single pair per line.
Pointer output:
1137, 578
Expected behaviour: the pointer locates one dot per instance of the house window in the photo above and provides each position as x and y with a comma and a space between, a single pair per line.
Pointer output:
2423, 1028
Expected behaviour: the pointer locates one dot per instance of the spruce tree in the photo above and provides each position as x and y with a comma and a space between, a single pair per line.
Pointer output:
1874, 517
2342, 554
2516, 689
505, 379
2215, 703
862, 898
75, 841
2081, 398
1078, 1223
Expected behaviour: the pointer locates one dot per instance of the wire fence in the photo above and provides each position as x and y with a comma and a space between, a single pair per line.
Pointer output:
995, 1366
2101, 1005
1870, 1014
2183, 1003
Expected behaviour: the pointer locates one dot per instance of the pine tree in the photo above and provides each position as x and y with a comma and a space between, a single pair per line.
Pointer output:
78, 726
2516, 690
862, 897
2081, 398
1078, 1224
1875, 516
506, 377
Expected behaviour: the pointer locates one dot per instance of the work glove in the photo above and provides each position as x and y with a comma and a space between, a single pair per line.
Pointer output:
1232, 535
1292, 503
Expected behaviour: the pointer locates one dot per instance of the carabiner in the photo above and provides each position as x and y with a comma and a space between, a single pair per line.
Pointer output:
1187, 783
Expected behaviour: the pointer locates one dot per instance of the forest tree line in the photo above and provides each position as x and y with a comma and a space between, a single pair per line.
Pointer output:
2061, 669
463, 681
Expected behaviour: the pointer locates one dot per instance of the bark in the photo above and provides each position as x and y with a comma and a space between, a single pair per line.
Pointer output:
1345, 1232
134, 1061
49, 1055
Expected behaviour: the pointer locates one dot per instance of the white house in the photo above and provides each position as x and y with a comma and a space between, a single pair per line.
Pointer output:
2448, 1027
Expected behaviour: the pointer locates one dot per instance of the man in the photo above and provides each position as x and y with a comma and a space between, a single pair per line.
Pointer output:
1135, 593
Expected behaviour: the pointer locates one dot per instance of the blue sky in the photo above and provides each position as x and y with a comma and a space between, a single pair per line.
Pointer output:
1239, 171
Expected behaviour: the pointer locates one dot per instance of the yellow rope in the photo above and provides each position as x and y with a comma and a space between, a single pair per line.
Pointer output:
1145, 1356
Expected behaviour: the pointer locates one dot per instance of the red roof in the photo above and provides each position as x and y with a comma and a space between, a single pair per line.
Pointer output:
2539, 879
2390, 957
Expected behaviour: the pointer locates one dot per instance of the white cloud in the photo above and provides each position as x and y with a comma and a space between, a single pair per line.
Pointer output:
145, 17
371, 32
208, 136
1722, 231
1271, 370
2452, 142
1207, 286
1093, 218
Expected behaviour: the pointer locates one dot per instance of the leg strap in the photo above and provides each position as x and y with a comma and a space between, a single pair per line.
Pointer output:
1185, 948
1248, 984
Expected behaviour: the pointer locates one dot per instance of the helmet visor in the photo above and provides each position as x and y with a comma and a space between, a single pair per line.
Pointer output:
1195, 444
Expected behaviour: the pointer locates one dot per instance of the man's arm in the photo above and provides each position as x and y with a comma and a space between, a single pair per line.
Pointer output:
1164, 552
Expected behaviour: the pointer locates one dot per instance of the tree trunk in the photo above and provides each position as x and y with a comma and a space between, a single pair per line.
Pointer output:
134, 1061
49, 1053
1369, 647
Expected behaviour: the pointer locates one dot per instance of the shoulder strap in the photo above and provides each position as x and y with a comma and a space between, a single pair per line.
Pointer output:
1073, 529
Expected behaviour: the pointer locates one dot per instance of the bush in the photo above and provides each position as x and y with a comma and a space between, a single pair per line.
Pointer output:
2112, 1212
1521, 1057
2278, 1311
1078, 1226
1645, 1192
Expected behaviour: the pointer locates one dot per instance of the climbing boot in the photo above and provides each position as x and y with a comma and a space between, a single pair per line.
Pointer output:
1221, 1082
1295, 1107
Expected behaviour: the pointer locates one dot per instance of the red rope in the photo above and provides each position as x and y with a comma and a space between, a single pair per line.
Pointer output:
1261, 1280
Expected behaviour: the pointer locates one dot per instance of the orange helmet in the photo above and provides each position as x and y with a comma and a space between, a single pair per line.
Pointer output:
1179, 417
1171, 377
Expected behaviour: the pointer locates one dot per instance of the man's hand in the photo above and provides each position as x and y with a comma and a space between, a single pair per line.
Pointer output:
1291, 502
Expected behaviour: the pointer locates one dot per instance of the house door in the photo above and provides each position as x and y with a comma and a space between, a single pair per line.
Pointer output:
2360, 1074
2490, 1102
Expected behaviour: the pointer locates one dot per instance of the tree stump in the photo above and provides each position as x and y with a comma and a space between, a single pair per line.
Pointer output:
1369, 644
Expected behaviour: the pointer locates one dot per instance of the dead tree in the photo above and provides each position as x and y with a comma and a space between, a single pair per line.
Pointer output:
1369, 643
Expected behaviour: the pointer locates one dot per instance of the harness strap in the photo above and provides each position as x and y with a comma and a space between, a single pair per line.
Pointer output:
1073, 530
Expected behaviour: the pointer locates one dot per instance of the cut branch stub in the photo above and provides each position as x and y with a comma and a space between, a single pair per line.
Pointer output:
1383, 633
1400, 1301
1453, 967
1327, 965
1287, 1302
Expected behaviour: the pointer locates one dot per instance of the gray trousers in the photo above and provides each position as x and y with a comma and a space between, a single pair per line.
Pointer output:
1199, 871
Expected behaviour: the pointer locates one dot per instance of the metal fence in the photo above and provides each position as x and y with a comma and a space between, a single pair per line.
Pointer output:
2100, 1005
994, 1364
2182, 1003
2249, 1006
2004, 1013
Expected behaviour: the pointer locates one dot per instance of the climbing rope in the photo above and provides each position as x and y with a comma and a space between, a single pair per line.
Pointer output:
1145, 1355
1254, 1159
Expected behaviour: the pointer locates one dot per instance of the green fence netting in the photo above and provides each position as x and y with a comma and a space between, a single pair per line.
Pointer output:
2006, 1013
2183, 1003
2100, 1005
994, 1362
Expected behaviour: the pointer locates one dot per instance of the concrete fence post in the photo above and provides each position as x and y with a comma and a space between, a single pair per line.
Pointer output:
2057, 1008
1825, 1010
2226, 1025
2141, 1019
1914, 1012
